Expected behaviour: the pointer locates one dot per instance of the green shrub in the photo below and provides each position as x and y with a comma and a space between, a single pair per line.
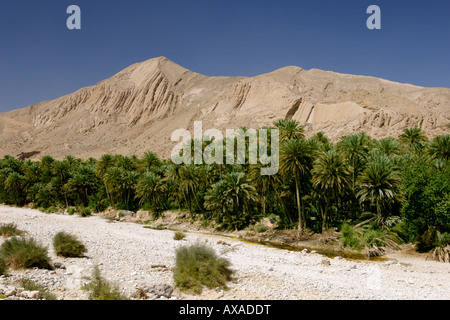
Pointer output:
198, 266
71, 210
31, 285
51, 209
68, 245
24, 253
9, 230
102, 289
349, 237
84, 212
427, 241
179, 235
375, 241
260, 228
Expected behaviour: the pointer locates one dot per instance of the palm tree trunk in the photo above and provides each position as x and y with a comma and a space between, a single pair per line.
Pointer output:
283, 206
297, 192
324, 216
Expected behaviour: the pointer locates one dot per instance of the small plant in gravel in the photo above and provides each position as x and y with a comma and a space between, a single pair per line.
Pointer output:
31, 285
442, 250
84, 212
179, 235
22, 253
51, 209
67, 245
102, 289
197, 266
9, 230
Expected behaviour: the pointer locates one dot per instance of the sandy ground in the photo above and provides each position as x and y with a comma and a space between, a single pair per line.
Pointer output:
134, 256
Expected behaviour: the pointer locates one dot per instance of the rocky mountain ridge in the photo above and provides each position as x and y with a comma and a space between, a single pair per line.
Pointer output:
138, 109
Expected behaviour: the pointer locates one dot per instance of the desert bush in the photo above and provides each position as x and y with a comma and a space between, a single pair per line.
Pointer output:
31, 285
179, 235
197, 266
68, 245
260, 228
9, 230
442, 250
349, 237
375, 241
102, 289
51, 209
24, 253
84, 212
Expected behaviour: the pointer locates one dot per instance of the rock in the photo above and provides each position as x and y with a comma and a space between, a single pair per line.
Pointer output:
142, 215
59, 265
158, 290
10, 291
326, 262
124, 214
32, 294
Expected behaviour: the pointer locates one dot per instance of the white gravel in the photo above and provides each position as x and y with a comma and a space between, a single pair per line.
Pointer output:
134, 256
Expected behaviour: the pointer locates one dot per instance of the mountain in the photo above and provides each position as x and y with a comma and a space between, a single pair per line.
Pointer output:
138, 109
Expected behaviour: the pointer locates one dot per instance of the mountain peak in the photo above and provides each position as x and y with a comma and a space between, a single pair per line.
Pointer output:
138, 109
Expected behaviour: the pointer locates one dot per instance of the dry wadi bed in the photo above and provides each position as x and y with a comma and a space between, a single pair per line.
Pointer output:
141, 259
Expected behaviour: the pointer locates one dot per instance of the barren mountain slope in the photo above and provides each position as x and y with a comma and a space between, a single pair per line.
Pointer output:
138, 109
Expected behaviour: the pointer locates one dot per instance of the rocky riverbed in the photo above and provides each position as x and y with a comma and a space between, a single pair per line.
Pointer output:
140, 261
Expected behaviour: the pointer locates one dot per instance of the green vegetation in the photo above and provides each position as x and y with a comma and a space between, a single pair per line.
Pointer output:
9, 230
396, 185
68, 245
102, 289
197, 266
31, 285
179, 235
22, 253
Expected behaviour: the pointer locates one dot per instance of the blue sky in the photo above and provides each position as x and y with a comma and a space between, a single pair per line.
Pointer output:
40, 59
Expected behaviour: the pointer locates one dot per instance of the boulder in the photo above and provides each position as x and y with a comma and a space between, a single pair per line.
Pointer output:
157, 290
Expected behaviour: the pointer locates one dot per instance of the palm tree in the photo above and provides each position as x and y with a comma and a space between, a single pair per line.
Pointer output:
149, 161
296, 161
112, 181
189, 183
378, 183
289, 129
355, 149
439, 147
414, 139
82, 183
388, 146
231, 199
61, 170
129, 181
262, 183
14, 185
331, 177
106, 161
151, 188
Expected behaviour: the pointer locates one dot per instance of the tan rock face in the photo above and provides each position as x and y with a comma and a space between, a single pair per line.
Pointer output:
138, 109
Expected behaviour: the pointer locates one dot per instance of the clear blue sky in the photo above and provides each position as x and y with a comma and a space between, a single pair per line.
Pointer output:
40, 59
